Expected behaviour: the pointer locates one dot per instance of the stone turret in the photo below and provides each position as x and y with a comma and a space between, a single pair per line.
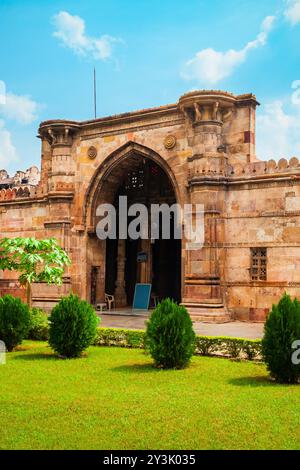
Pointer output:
58, 167
221, 128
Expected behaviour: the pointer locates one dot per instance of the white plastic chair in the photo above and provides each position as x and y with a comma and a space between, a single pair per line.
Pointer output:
110, 300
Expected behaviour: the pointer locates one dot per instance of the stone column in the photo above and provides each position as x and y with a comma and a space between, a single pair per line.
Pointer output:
120, 293
145, 267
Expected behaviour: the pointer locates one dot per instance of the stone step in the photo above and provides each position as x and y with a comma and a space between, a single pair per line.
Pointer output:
209, 315
213, 301
207, 305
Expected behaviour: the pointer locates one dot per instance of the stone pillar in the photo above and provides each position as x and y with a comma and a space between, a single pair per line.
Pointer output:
144, 274
120, 293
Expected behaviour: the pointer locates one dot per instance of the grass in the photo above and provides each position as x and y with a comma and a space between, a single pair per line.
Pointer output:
115, 399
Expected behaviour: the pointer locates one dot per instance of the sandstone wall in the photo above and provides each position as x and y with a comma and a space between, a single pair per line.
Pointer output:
262, 211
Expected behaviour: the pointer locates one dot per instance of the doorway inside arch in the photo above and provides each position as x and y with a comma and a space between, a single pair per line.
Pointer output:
131, 261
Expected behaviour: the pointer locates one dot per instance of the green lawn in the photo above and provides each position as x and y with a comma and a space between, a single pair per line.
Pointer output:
115, 399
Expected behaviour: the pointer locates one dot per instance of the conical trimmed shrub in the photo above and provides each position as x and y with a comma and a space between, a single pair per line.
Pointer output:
73, 326
170, 337
282, 328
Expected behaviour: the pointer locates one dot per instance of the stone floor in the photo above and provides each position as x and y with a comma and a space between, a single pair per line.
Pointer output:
136, 321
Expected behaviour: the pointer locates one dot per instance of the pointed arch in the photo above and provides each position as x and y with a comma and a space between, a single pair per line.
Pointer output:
110, 163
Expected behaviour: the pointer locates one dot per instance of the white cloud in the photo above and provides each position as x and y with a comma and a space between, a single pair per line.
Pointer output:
21, 109
210, 66
71, 31
267, 24
8, 151
292, 11
278, 131
2, 92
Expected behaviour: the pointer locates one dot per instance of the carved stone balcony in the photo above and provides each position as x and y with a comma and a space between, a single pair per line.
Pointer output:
58, 133
205, 108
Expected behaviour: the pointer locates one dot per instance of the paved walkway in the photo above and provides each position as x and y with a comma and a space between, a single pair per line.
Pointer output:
137, 322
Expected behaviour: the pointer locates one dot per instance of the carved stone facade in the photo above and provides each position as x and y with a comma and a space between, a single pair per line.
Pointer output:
204, 147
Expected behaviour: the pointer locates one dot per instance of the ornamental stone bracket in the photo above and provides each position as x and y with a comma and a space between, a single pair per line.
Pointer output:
58, 133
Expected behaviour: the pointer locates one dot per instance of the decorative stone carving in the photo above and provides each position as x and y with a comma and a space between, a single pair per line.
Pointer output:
215, 111
92, 152
198, 113
170, 142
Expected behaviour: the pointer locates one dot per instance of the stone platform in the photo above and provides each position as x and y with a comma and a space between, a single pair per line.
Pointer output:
136, 321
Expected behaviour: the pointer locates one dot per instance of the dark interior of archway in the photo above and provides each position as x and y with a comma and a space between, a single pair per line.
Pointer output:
143, 181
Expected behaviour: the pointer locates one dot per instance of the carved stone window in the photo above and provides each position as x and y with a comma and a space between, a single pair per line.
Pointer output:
258, 270
135, 180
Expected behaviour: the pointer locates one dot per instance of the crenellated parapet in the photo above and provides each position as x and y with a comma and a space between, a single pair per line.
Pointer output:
261, 168
201, 169
18, 193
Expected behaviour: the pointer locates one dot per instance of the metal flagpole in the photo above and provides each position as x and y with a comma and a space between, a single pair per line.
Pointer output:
95, 94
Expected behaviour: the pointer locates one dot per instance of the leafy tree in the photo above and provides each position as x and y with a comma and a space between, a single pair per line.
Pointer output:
39, 325
35, 260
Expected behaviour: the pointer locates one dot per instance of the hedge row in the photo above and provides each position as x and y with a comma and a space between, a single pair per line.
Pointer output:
121, 338
229, 347
205, 345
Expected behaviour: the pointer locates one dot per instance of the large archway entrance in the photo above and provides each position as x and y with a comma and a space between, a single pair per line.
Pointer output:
156, 261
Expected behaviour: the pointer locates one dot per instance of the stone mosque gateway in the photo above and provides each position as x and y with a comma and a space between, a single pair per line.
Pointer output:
200, 150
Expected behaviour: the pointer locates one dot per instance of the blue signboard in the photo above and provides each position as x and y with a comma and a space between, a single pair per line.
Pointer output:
141, 298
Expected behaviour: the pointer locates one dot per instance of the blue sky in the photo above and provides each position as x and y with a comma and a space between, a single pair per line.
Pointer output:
146, 53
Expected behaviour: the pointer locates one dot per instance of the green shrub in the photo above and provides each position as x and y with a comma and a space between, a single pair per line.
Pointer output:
120, 338
73, 326
282, 328
170, 337
205, 345
39, 325
252, 348
227, 346
234, 348
14, 321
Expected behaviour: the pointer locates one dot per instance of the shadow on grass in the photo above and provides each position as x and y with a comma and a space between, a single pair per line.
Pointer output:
253, 381
31, 357
136, 368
